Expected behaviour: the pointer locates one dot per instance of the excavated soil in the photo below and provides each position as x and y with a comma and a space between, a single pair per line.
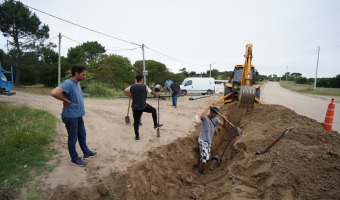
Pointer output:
304, 164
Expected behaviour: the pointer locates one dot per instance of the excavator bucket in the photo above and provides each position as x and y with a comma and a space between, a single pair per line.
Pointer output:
247, 97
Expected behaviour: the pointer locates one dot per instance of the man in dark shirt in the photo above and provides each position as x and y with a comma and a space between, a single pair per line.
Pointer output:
138, 93
175, 89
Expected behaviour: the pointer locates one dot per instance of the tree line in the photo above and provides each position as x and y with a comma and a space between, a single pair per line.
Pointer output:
35, 61
333, 82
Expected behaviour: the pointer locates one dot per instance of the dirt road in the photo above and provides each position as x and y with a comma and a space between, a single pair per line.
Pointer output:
109, 136
314, 107
304, 165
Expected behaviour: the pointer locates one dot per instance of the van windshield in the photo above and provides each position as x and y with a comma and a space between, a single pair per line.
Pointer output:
189, 82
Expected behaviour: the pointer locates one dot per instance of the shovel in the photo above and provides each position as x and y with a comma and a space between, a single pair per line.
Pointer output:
285, 132
127, 118
238, 129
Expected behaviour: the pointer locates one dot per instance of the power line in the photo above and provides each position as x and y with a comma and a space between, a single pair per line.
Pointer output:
50, 39
201, 65
82, 26
122, 49
106, 48
71, 39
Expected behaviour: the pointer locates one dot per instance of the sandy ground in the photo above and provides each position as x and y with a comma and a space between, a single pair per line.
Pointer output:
304, 164
110, 136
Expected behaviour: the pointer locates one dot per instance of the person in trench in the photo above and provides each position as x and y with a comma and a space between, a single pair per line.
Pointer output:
209, 122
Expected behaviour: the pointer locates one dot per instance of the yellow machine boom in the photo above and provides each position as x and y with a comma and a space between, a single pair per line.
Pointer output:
240, 87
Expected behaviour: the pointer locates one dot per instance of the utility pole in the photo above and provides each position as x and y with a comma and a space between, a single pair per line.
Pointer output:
317, 65
144, 72
59, 59
210, 68
286, 73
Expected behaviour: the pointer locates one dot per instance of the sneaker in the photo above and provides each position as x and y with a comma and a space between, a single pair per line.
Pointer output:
157, 126
137, 138
79, 162
175, 106
92, 154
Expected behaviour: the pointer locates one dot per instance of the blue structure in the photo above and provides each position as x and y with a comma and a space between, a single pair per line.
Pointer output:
6, 81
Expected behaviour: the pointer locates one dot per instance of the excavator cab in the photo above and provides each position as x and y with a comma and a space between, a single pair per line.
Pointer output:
234, 85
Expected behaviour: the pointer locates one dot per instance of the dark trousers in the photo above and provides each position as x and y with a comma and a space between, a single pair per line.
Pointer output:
137, 114
174, 99
76, 131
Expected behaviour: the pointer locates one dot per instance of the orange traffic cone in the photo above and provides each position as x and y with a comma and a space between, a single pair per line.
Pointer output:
329, 116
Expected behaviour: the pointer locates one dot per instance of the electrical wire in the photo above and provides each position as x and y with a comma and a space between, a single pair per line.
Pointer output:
82, 26
71, 39
122, 49
50, 39
110, 36
182, 61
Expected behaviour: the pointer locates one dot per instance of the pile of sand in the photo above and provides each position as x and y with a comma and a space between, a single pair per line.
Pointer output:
304, 164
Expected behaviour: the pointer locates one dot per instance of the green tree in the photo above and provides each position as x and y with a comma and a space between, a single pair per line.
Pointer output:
24, 28
114, 70
157, 71
48, 55
214, 73
296, 75
86, 53
184, 72
337, 81
192, 74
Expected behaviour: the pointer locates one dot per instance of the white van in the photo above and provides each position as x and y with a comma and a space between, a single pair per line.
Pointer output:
201, 85
220, 86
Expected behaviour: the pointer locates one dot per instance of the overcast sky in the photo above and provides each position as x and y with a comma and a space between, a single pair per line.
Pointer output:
193, 34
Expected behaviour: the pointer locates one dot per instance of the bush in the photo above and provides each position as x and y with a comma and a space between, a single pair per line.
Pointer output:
98, 89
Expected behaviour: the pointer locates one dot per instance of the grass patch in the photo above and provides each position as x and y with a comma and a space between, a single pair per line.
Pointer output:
25, 135
35, 89
309, 89
96, 90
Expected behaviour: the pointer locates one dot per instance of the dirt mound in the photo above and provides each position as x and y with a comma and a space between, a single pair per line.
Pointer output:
304, 164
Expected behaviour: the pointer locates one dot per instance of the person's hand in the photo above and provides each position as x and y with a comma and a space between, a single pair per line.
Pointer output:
66, 103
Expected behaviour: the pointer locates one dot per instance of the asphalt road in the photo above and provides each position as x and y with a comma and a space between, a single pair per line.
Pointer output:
314, 107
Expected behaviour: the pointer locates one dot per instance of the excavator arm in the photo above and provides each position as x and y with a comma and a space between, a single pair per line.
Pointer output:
247, 92
246, 75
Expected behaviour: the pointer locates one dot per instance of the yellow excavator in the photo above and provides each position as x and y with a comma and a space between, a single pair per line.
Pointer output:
242, 84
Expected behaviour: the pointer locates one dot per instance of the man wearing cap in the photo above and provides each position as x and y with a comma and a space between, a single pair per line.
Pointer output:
209, 122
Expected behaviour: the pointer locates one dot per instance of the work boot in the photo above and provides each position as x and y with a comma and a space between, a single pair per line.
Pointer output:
157, 126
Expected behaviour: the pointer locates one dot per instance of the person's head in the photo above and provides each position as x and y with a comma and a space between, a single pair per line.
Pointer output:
213, 111
78, 72
139, 78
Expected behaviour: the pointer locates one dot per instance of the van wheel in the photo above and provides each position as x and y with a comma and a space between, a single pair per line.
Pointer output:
209, 92
184, 92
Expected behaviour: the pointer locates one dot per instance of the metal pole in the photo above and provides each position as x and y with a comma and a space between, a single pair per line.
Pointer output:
144, 65
59, 59
317, 65
158, 134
